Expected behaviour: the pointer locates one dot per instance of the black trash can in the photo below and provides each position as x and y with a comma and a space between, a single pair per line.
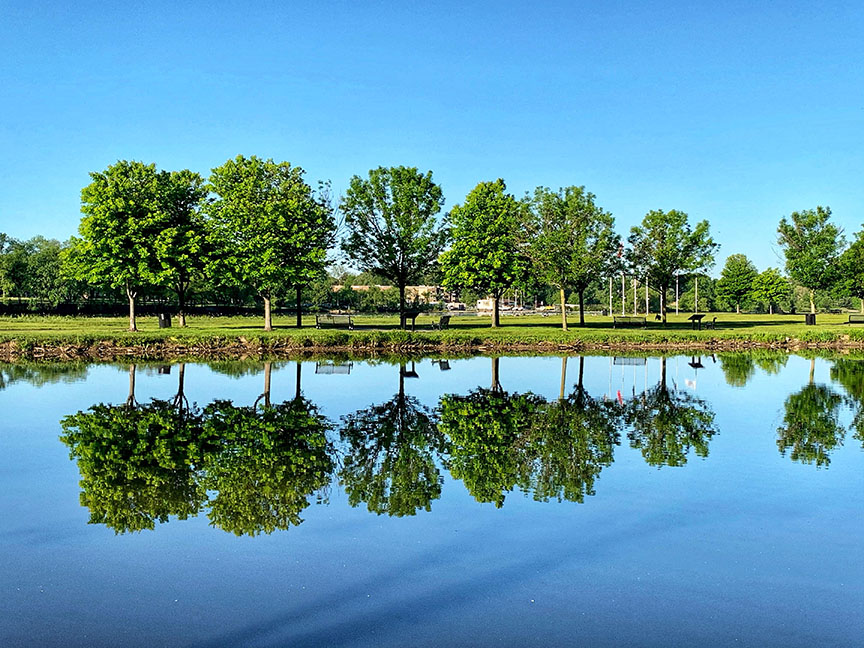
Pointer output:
164, 320
810, 319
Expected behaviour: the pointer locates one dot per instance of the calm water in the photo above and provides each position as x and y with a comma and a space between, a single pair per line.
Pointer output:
652, 502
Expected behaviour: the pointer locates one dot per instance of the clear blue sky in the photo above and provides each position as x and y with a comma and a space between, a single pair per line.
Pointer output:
735, 112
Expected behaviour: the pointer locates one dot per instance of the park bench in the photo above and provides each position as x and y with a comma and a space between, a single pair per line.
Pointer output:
627, 321
856, 318
442, 323
334, 321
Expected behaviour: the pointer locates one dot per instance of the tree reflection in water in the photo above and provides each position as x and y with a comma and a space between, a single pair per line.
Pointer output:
667, 423
392, 455
254, 469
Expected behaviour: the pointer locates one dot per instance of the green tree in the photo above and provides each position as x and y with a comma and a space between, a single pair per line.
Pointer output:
392, 229
181, 246
270, 229
665, 245
736, 280
573, 241
738, 368
812, 246
852, 268
122, 217
770, 287
488, 252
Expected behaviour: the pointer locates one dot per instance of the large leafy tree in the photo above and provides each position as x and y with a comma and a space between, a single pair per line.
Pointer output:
736, 280
122, 217
392, 228
573, 241
181, 246
664, 245
488, 253
270, 229
852, 267
771, 287
812, 245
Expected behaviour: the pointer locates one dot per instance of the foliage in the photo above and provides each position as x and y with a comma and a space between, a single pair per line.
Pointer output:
771, 288
270, 229
664, 245
852, 267
572, 240
738, 368
488, 251
392, 229
736, 280
812, 247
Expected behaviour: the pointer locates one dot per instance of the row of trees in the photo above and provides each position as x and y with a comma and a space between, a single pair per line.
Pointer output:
257, 225
254, 468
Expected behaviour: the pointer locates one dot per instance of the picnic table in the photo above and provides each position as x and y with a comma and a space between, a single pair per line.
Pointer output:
412, 315
696, 319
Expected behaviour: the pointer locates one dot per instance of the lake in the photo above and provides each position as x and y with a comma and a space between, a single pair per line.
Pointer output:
597, 501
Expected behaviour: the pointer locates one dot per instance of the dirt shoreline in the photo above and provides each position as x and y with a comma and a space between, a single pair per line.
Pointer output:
241, 349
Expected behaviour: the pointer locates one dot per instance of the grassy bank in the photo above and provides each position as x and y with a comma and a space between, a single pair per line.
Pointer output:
33, 337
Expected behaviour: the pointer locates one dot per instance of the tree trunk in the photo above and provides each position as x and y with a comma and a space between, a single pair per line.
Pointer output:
663, 302
771, 308
737, 308
862, 306
582, 307
563, 311
181, 299
496, 320
402, 322
268, 317
812, 304
131, 295
299, 306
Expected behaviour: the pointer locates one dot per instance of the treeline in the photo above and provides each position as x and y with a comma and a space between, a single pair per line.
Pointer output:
257, 230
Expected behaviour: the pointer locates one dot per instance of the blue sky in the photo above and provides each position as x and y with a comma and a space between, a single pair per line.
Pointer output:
738, 113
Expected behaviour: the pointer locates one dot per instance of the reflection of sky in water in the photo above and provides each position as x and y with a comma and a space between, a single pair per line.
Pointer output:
744, 545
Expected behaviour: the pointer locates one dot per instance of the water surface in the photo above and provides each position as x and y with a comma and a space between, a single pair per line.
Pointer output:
707, 500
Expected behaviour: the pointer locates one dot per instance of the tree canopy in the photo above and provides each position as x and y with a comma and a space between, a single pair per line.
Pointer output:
573, 241
489, 250
812, 245
736, 280
270, 229
664, 245
392, 229
770, 287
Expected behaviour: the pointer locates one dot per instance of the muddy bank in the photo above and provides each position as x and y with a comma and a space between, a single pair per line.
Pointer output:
241, 348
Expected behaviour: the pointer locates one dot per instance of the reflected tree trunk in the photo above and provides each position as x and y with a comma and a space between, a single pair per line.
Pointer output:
266, 395
180, 401
496, 384
299, 370
563, 378
812, 369
130, 400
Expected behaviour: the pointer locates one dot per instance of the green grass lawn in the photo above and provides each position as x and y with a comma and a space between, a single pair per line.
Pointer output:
463, 330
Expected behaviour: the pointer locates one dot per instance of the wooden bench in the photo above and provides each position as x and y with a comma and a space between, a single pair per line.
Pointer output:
856, 318
442, 323
627, 321
334, 321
